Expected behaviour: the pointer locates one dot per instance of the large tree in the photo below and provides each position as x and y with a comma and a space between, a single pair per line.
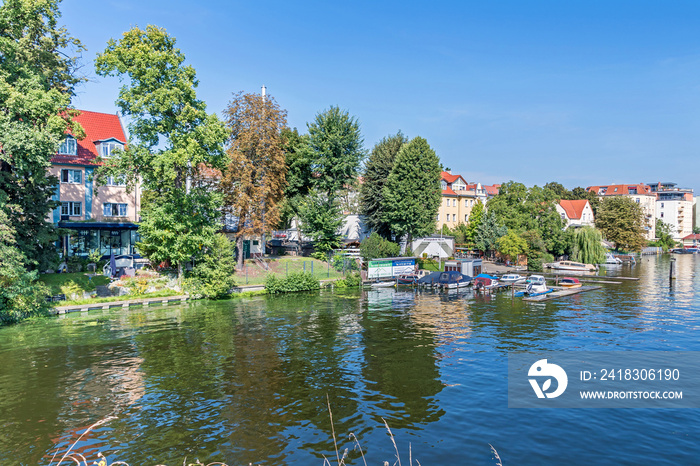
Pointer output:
173, 140
299, 176
336, 145
254, 182
412, 193
475, 218
377, 171
488, 233
38, 75
587, 246
621, 221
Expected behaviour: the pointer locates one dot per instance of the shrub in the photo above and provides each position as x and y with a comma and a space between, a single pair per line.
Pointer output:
295, 281
72, 290
212, 276
341, 263
536, 262
376, 247
352, 280
319, 255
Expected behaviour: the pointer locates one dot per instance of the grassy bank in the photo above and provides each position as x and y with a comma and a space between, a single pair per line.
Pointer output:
86, 283
253, 274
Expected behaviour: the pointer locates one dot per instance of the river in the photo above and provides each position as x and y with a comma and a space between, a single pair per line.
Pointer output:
251, 380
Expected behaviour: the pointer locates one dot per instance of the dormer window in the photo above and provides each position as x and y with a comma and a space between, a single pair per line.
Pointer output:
69, 146
443, 183
107, 148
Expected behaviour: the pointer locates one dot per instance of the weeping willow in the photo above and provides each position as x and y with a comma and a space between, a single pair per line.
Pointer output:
587, 246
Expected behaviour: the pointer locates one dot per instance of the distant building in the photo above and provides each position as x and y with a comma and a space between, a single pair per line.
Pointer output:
674, 206
691, 241
641, 194
576, 213
101, 219
459, 198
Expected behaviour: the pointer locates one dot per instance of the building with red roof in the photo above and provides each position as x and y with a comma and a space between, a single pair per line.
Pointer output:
576, 213
103, 218
640, 193
459, 197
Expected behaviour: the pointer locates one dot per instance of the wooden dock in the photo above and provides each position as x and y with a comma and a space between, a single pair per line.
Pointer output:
165, 300
560, 293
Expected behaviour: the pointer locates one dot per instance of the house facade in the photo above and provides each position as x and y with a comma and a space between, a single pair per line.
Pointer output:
639, 193
99, 218
576, 213
674, 206
459, 198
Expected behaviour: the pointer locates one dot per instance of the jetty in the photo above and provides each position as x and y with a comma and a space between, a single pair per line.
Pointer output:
560, 292
145, 302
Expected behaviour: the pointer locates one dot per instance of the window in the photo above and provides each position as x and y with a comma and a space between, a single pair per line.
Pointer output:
71, 176
637, 200
448, 203
114, 210
116, 181
68, 146
454, 202
73, 209
438, 217
443, 183
466, 218
662, 215
107, 148
662, 205
466, 203
454, 217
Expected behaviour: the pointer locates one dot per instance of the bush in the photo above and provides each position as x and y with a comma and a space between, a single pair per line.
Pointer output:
341, 263
320, 256
376, 247
295, 281
536, 261
352, 280
72, 290
212, 276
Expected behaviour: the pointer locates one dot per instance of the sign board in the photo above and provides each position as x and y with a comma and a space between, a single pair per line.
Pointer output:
387, 268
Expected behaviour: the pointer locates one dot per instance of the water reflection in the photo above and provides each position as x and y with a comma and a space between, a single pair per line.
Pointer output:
249, 381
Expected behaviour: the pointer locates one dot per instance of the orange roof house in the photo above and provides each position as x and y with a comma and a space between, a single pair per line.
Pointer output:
576, 213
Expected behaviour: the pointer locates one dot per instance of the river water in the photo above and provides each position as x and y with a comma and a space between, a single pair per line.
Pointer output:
251, 380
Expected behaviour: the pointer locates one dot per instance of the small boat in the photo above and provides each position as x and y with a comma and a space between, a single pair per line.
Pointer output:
512, 279
610, 259
570, 265
407, 279
570, 282
429, 280
384, 284
483, 282
537, 286
453, 279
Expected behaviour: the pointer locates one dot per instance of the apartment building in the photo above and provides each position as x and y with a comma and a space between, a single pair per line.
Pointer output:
100, 218
674, 206
459, 198
639, 193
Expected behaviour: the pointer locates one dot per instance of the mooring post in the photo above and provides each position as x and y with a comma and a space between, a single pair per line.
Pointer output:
672, 270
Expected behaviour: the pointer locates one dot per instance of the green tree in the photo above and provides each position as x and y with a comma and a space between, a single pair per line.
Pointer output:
173, 139
320, 220
212, 276
663, 235
336, 145
374, 247
592, 198
299, 176
377, 171
558, 190
511, 245
488, 233
475, 218
587, 247
621, 221
254, 181
21, 295
412, 193
37, 80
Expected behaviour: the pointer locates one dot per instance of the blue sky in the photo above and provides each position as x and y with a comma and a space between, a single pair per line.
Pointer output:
579, 92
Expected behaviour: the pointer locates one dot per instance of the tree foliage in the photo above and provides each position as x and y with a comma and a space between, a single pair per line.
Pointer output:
21, 295
212, 276
254, 181
475, 218
511, 245
592, 198
621, 221
664, 235
336, 144
299, 176
377, 171
587, 246
173, 140
38, 76
412, 193
320, 220
375, 246
488, 233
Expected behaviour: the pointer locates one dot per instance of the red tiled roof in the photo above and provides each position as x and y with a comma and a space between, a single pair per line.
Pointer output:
448, 191
693, 236
573, 209
619, 189
449, 177
98, 127
492, 190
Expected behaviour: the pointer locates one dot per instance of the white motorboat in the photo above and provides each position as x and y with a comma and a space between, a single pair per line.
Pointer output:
610, 259
512, 279
570, 265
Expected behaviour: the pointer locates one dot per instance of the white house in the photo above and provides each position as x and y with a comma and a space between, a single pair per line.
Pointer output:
577, 213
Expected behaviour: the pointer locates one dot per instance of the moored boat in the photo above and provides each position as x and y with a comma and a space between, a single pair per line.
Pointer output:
570, 282
537, 286
570, 265
610, 259
453, 279
407, 279
512, 279
484, 282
